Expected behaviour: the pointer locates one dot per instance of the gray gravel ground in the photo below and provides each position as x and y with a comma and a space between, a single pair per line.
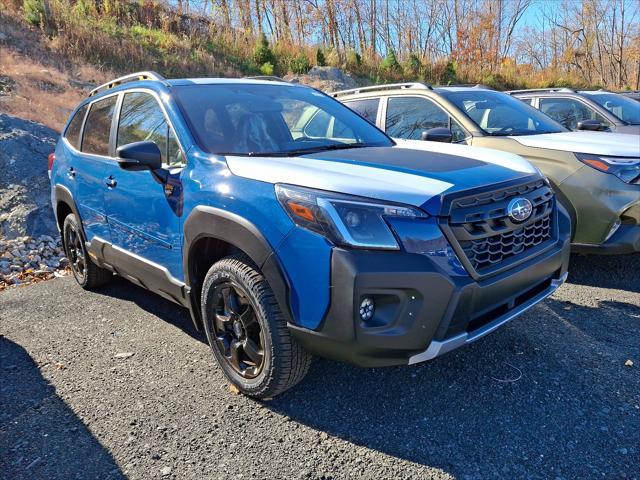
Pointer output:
116, 383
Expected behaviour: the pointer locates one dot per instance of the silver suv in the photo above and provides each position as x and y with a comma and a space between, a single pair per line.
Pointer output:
585, 109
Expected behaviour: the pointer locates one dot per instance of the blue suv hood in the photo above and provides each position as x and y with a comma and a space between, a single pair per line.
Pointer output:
394, 174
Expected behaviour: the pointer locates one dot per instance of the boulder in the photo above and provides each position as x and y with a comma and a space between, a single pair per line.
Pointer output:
327, 79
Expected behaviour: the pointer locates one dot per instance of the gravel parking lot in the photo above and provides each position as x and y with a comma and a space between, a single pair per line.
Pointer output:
116, 383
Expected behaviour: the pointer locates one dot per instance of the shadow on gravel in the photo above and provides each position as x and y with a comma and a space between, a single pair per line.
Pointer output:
152, 303
621, 272
40, 436
547, 396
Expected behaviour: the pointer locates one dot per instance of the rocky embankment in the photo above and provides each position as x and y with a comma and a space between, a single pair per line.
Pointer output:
30, 247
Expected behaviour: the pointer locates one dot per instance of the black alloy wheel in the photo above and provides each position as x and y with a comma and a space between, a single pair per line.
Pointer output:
236, 330
75, 253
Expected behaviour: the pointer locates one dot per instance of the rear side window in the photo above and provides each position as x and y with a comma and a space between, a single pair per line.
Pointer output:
95, 139
75, 126
368, 108
142, 119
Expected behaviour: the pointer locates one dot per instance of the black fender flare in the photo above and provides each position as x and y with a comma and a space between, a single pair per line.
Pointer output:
211, 222
63, 195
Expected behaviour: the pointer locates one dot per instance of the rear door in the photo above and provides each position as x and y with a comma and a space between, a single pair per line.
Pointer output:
88, 166
144, 212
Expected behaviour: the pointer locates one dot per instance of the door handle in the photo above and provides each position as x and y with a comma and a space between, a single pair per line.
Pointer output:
71, 173
111, 182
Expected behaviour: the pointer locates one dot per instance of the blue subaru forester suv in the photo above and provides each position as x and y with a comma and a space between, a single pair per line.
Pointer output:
286, 235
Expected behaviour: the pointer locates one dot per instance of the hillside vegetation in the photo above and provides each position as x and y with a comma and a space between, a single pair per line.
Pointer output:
564, 42
51, 49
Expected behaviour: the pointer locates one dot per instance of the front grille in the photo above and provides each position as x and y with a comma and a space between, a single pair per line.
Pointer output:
488, 251
487, 236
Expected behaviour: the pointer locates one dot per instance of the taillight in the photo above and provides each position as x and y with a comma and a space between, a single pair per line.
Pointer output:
51, 158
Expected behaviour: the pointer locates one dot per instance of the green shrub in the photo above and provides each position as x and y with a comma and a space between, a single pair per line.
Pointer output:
300, 64
34, 11
267, 68
333, 58
320, 60
262, 53
390, 63
353, 59
450, 74
412, 66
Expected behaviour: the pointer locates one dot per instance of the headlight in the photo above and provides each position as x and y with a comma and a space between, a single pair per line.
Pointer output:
343, 219
626, 169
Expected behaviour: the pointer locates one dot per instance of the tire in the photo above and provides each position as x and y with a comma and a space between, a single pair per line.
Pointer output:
232, 287
87, 274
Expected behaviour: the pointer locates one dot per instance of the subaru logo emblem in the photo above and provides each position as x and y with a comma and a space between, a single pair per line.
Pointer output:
519, 209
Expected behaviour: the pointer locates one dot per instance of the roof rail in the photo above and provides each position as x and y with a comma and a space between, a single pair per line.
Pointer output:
470, 85
133, 77
270, 78
536, 90
388, 86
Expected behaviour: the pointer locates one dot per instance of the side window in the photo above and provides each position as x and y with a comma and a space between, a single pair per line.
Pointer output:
569, 112
318, 126
142, 119
72, 134
368, 108
95, 138
528, 101
325, 125
408, 117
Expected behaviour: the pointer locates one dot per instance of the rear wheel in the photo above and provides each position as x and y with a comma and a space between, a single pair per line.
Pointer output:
87, 274
247, 332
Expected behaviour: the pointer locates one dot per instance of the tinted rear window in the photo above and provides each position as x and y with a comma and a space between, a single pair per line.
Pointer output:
95, 139
73, 130
368, 108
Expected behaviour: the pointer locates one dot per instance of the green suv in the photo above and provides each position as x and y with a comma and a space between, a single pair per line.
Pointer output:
595, 174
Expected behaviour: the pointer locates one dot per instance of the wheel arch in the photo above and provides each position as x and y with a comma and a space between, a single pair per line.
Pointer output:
64, 205
211, 234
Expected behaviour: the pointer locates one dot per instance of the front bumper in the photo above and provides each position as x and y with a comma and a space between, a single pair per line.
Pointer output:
599, 200
422, 312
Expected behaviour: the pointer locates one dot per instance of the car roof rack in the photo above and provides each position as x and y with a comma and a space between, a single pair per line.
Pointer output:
133, 77
269, 78
470, 85
388, 86
542, 90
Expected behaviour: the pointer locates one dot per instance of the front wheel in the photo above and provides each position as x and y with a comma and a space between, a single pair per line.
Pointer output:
247, 331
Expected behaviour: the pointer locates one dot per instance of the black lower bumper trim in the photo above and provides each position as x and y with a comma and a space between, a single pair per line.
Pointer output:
416, 304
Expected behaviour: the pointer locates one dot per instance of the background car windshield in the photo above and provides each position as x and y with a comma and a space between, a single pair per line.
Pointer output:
622, 107
253, 119
501, 114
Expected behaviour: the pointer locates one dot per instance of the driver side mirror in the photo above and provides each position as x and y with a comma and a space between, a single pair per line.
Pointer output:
438, 134
139, 156
591, 125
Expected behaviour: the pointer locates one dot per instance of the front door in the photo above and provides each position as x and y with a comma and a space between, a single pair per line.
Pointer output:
143, 211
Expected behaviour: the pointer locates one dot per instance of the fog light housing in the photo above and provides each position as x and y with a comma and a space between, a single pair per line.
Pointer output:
367, 308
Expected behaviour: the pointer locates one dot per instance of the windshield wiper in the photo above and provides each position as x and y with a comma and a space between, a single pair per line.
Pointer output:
307, 151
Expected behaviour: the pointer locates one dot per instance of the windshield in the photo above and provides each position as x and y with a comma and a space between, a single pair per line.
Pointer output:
622, 107
264, 119
500, 114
